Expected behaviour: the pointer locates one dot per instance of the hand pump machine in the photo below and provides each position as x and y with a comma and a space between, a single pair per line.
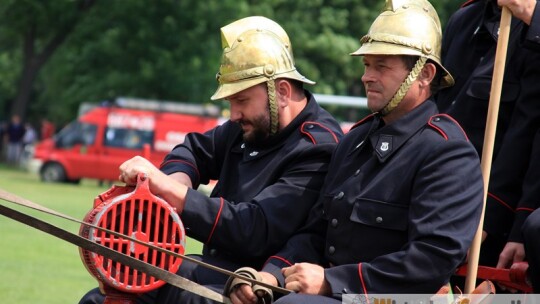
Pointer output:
136, 212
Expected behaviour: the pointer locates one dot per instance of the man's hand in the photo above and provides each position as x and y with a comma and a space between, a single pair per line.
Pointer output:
512, 253
159, 183
306, 278
244, 294
521, 9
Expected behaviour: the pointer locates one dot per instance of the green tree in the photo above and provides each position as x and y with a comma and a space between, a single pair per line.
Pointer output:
162, 49
39, 27
166, 50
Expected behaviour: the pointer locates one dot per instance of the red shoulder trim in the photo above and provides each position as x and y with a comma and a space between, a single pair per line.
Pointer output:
468, 3
441, 130
320, 125
361, 121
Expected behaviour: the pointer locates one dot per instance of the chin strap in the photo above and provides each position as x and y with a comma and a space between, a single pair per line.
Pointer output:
405, 86
272, 103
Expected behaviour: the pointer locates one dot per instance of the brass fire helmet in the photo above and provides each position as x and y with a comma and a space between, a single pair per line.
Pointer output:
255, 50
406, 27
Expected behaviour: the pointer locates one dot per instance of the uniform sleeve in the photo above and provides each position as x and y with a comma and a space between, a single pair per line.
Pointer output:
199, 155
532, 33
531, 189
307, 245
259, 227
444, 213
510, 186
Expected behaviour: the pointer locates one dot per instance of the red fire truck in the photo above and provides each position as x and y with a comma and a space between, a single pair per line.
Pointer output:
103, 137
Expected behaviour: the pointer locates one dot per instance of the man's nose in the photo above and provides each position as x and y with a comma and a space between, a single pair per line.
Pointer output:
236, 114
367, 76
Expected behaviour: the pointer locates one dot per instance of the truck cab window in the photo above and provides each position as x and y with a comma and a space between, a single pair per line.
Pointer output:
76, 133
128, 138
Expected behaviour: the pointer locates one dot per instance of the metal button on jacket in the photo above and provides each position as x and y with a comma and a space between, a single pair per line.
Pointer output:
331, 249
379, 219
334, 223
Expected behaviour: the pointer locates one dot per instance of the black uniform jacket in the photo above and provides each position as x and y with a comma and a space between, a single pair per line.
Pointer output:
264, 193
468, 51
398, 210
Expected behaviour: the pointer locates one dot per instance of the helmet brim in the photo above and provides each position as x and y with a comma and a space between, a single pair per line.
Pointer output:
225, 90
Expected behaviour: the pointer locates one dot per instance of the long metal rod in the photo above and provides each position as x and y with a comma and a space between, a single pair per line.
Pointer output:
116, 256
12, 198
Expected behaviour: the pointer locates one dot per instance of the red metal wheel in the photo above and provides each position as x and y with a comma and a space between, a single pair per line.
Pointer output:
137, 213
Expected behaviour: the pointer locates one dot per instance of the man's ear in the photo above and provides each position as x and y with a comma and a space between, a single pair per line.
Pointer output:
427, 74
284, 92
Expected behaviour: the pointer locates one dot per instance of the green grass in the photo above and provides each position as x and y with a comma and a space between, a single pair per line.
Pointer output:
36, 267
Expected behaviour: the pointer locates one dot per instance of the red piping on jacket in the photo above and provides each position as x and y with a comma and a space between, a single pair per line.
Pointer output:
362, 281
216, 221
184, 162
320, 125
281, 259
501, 202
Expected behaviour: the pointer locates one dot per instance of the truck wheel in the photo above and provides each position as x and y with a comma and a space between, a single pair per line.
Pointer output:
53, 173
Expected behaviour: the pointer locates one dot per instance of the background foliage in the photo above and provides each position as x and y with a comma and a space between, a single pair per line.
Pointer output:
56, 54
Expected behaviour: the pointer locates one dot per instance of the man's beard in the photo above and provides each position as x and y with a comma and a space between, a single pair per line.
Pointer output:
260, 129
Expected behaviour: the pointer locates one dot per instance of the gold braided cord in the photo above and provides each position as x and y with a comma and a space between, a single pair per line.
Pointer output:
405, 86
273, 106
411, 43
247, 74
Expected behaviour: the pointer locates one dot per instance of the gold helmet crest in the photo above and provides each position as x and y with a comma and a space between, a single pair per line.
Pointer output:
255, 50
406, 27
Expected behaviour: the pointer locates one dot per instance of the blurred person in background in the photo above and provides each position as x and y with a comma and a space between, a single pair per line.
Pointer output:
47, 129
14, 136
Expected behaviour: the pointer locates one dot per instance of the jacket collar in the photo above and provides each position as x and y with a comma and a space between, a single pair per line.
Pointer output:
252, 151
309, 111
389, 138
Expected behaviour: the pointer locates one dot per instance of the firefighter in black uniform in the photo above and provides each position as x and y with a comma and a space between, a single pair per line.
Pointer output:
269, 160
468, 52
529, 12
402, 199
